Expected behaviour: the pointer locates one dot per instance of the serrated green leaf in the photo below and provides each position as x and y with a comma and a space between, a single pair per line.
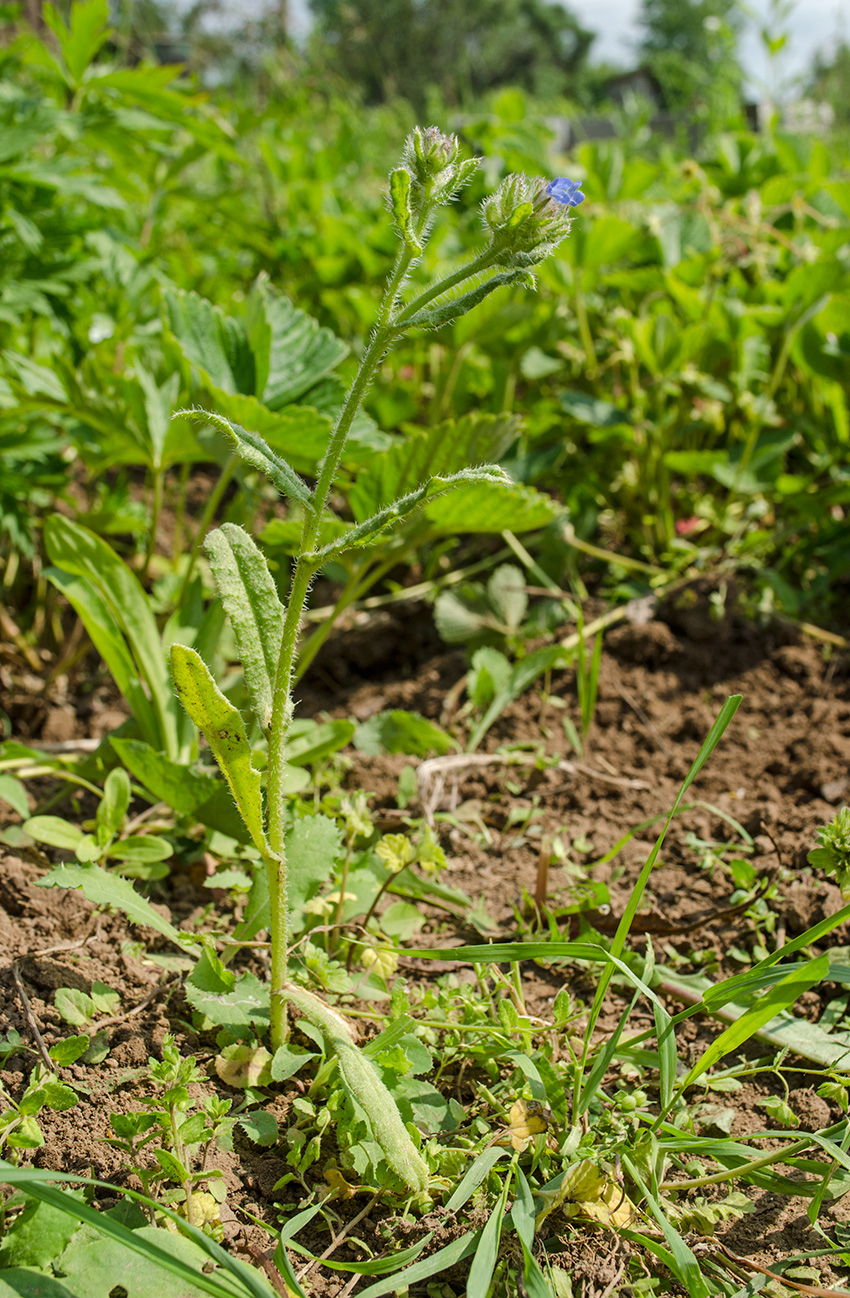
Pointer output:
246, 1002
111, 890
487, 507
224, 730
312, 847
75, 1006
287, 1062
446, 449
250, 599
292, 351
67, 1052
260, 1127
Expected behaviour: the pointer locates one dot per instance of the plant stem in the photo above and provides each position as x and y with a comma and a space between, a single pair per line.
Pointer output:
302, 576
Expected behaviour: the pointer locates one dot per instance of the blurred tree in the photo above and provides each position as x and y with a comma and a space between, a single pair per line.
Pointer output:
692, 47
830, 82
461, 47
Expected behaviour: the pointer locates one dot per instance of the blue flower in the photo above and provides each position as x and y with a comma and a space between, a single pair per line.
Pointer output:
565, 191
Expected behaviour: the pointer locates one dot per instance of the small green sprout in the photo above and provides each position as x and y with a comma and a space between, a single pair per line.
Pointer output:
833, 855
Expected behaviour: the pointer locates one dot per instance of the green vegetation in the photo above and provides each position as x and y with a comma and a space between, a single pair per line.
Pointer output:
240, 400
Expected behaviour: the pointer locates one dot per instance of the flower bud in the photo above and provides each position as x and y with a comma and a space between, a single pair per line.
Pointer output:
528, 218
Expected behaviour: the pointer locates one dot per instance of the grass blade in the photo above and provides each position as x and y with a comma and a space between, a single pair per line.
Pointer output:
246, 1283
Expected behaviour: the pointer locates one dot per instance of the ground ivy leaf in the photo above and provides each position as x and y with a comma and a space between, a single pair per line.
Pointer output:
260, 1127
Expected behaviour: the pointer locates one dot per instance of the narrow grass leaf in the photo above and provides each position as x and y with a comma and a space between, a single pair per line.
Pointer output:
684, 1265
474, 1175
487, 1252
785, 993
457, 1251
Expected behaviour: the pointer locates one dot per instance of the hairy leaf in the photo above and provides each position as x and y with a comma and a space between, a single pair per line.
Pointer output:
250, 599
224, 730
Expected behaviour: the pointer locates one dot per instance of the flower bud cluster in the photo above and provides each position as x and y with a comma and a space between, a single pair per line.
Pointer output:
528, 218
435, 164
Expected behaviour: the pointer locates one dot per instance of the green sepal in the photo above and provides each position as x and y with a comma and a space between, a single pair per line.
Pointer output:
250, 599
222, 725
255, 450
400, 186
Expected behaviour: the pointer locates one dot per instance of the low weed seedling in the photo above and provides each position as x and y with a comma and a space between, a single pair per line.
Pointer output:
179, 1130
105, 840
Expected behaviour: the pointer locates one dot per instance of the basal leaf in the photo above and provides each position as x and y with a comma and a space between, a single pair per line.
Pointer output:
79, 552
104, 889
184, 789
224, 730
250, 599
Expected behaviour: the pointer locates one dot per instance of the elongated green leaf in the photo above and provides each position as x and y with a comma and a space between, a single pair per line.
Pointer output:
773, 1002
224, 730
184, 789
78, 551
14, 793
254, 450
104, 634
436, 317
474, 1175
250, 599
111, 890
523, 1218
311, 741
367, 532
487, 1252
687, 1267
54, 831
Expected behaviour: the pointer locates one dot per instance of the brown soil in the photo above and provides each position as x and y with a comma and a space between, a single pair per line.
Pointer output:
780, 771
